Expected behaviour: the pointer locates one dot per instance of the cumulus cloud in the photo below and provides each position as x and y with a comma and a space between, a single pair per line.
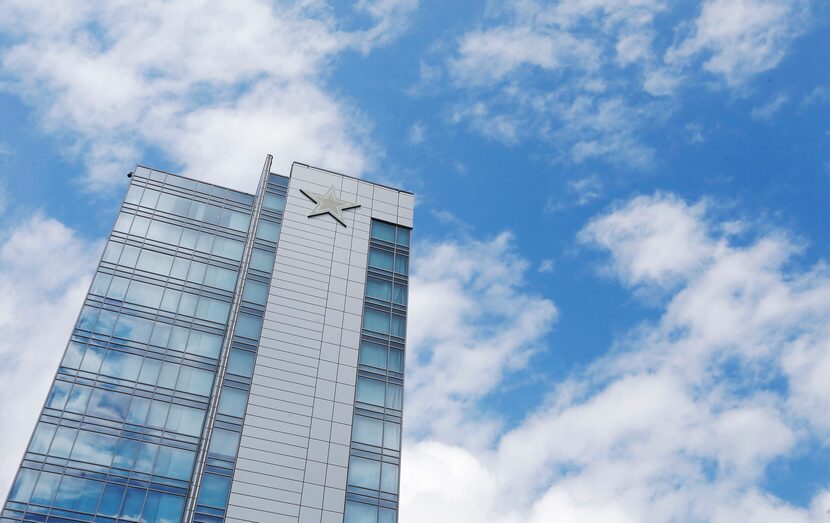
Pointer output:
212, 85
45, 270
681, 419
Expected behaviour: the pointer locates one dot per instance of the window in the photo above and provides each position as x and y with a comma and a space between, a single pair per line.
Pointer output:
373, 355
125, 452
111, 500
78, 399
94, 448
223, 443
401, 264
398, 326
391, 435
394, 396
396, 360
44, 491
364, 473
121, 365
132, 328
383, 231
42, 438
399, 296
109, 405
162, 508
220, 278
370, 391
403, 237
73, 355
174, 463
195, 381
274, 202
360, 513
380, 259
232, 402
133, 501
241, 363
267, 230
146, 457
262, 260
62, 444
376, 321
185, 420
204, 344
79, 494
255, 292
367, 430
389, 478
227, 248
213, 310
214, 491
23, 485
92, 359
58, 394
378, 289
248, 326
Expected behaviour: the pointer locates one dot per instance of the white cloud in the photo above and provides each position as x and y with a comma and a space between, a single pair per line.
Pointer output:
45, 270
546, 266
680, 421
213, 85
416, 133
741, 38
769, 109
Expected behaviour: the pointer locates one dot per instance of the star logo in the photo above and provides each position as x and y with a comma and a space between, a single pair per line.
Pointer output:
329, 204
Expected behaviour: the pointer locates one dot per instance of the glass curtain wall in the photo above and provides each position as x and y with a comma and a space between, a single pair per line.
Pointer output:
118, 435
374, 460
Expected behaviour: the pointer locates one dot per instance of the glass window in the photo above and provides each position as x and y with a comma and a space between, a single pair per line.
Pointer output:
373, 354
248, 326
170, 300
174, 463
378, 289
387, 515
211, 309
94, 448
135, 329
267, 230
383, 231
396, 360
389, 478
364, 473
394, 396
205, 242
134, 194
42, 438
44, 491
262, 260
112, 252
118, 289
108, 404
129, 256
401, 264
188, 239
367, 430
62, 444
111, 500
274, 202
138, 410
255, 292
78, 399
158, 413
149, 371
23, 485
133, 501
398, 326
122, 224
178, 339
73, 355
223, 443
403, 237
100, 284
185, 420
162, 508
197, 211
241, 362
376, 321
164, 232
155, 262
125, 453
173, 204
204, 344
220, 278
370, 391
139, 227
195, 381
380, 259
360, 513
391, 435
399, 296
232, 402
106, 321
78, 494
58, 394
227, 248
121, 365
196, 274
167, 376
214, 491
146, 457
145, 294
187, 304
239, 221
161, 333
88, 317
150, 198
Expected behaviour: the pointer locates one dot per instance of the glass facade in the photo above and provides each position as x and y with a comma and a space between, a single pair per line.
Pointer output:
144, 420
375, 452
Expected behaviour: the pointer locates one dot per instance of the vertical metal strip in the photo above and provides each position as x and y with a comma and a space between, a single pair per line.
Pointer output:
207, 430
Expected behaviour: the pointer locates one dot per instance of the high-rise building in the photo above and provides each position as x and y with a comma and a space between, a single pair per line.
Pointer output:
238, 358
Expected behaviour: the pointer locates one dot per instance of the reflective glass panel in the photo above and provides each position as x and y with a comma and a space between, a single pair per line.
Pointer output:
367, 430
370, 391
373, 355
232, 402
223, 443
241, 362
360, 513
364, 473
380, 259
214, 490
389, 478
383, 231
376, 321
378, 289
262, 260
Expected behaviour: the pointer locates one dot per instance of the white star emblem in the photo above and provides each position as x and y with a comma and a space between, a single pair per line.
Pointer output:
329, 203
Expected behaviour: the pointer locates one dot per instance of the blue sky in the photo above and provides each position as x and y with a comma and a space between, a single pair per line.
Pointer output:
621, 299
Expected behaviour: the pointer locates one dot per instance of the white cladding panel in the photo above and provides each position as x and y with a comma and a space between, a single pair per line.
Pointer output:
295, 440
